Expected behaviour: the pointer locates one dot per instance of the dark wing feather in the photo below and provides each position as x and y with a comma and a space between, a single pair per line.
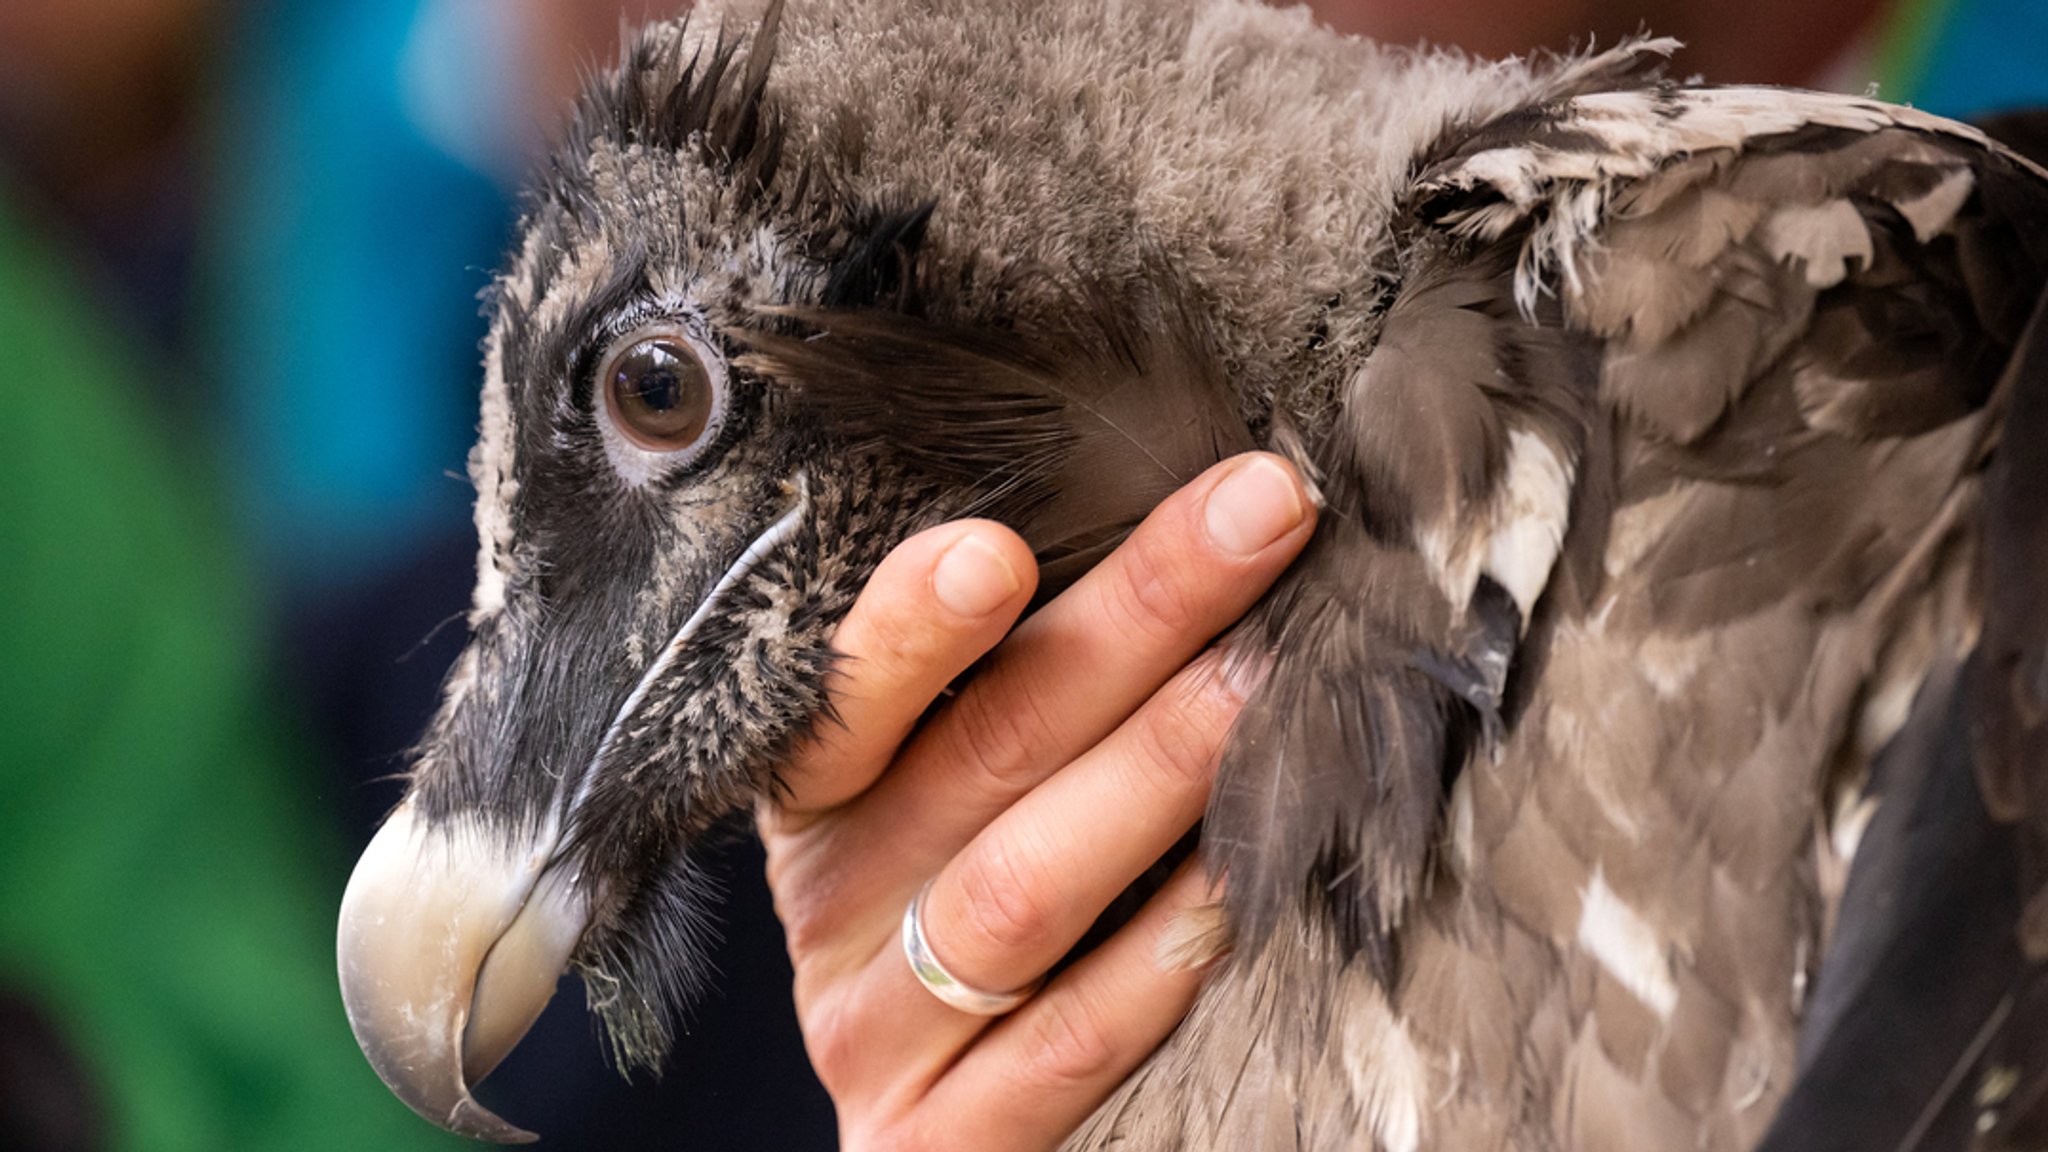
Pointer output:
1803, 340
1387, 669
1923, 955
2010, 713
1804, 343
1760, 335
1943, 931
2024, 130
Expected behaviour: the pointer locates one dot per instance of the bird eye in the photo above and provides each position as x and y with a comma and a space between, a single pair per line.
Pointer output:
658, 392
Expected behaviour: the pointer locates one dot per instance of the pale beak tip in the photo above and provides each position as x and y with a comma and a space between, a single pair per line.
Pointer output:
448, 947
477, 1122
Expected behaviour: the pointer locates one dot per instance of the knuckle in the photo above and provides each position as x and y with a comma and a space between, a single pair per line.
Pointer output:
806, 927
809, 896
836, 1047
1002, 899
1182, 740
791, 857
1151, 596
1000, 739
1176, 751
903, 1136
1070, 1045
893, 641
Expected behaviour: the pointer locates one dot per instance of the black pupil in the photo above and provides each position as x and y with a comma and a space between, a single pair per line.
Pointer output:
658, 388
661, 393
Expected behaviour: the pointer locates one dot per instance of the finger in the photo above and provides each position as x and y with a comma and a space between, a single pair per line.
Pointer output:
1077, 668
1028, 887
1035, 1076
933, 607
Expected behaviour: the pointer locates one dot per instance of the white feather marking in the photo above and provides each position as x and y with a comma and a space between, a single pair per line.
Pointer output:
1885, 709
1625, 944
1194, 938
1464, 836
519, 285
1639, 131
1930, 213
1516, 541
1535, 504
1826, 236
1388, 1073
1642, 526
490, 471
1395, 1111
1513, 172
1452, 560
1670, 662
1853, 812
462, 681
1606, 764
577, 278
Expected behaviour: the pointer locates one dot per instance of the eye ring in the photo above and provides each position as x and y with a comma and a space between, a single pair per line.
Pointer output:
662, 397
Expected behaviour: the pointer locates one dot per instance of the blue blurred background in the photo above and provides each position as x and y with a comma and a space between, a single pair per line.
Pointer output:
240, 250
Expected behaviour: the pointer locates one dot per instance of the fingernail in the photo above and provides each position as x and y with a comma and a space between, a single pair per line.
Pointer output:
973, 579
1254, 506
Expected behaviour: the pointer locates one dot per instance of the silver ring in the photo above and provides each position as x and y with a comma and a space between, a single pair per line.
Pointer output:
950, 990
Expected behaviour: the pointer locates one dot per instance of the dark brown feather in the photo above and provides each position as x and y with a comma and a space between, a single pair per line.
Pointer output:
2024, 130
2010, 696
1071, 438
1331, 788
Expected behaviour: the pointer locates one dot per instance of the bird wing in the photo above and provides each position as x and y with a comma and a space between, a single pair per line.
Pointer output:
1676, 494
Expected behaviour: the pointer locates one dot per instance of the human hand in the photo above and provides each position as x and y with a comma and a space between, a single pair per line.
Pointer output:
1061, 772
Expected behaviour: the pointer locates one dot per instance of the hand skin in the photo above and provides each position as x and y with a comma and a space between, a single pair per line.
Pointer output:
1061, 771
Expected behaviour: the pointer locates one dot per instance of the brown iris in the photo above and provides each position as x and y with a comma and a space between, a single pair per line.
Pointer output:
659, 394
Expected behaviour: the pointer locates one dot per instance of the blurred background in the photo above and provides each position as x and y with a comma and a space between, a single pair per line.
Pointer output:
240, 250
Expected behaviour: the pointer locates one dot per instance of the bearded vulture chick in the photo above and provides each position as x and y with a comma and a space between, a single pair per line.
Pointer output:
1650, 751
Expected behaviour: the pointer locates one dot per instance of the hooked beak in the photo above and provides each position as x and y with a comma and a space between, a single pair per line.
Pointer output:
455, 931
452, 938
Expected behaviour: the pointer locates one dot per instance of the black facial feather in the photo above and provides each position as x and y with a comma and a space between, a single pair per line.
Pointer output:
966, 406
661, 98
574, 347
690, 757
876, 271
645, 969
1137, 406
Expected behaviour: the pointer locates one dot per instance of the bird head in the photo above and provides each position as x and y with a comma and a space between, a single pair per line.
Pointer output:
725, 374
